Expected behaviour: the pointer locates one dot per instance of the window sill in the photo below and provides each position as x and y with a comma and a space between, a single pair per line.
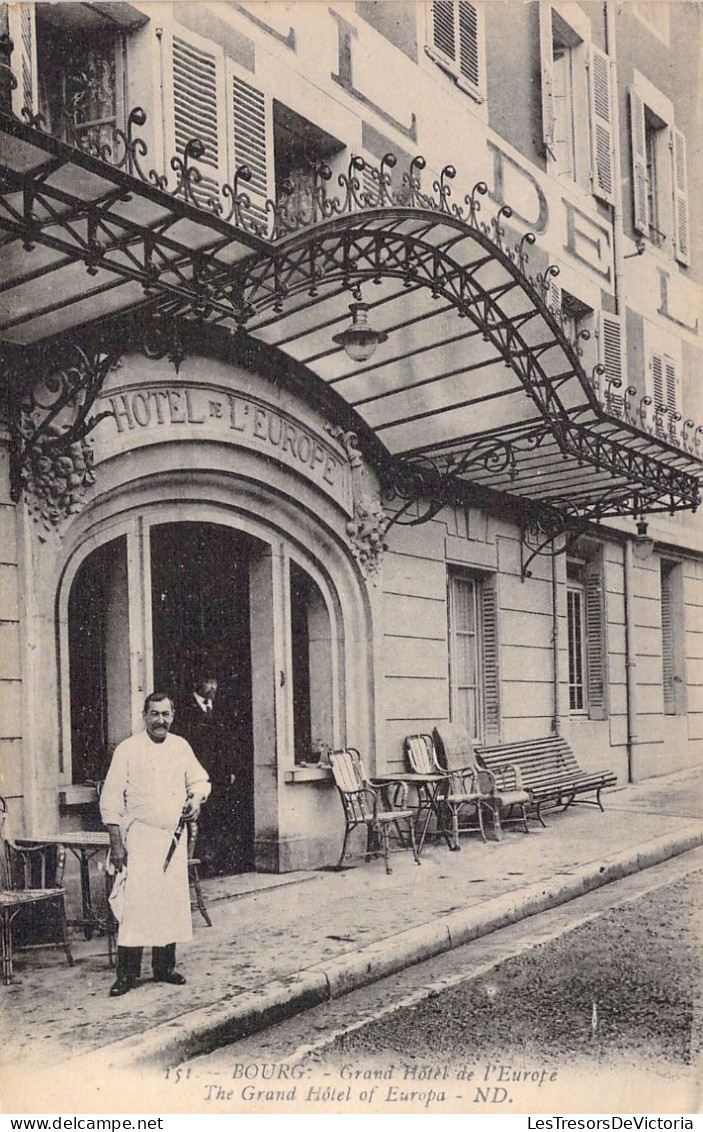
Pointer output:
77, 795
311, 773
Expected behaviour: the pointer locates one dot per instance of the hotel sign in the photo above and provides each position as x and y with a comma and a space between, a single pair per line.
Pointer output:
146, 415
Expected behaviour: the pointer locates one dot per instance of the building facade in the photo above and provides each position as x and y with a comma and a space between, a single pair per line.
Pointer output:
490, 518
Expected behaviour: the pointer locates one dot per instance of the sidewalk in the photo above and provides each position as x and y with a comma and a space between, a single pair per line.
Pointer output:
281, 943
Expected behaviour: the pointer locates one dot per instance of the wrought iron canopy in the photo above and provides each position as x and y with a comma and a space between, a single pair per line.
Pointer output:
476, 385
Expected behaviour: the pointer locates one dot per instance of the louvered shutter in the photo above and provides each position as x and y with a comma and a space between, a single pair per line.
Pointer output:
639, 164
554, 299
469, 44
443, 29
667, 644
595, 641
601, 125
658, 396
197, 72
680, 179
250, 114
671, 398
546, 46
491, 661
610, 357
24, 57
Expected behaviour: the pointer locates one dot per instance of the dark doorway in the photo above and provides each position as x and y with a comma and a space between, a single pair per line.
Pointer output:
98, 643
200, 621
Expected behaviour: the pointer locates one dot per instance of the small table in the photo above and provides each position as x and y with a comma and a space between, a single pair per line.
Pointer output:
429, 795
84, 845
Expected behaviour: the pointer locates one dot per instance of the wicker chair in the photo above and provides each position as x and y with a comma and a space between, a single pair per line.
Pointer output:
372, 806
23, 884
500, 790
460, 804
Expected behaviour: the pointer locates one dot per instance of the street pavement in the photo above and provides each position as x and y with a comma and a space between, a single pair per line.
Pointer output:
281, 943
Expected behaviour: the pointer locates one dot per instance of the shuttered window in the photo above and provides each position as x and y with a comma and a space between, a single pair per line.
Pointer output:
455, 40
577, 102
547, 74
672, 638
577, 683
595, 641
659, 174
491, 654
232, 117
667, 641
639, 164
22, 30
610, 357
586, 640
197, 101
602, 163
473, 655
680, 197
664, 392
251, 142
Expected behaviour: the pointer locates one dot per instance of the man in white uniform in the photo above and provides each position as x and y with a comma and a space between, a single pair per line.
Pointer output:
153, 778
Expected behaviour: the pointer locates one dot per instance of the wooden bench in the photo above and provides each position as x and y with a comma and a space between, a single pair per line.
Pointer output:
549, 771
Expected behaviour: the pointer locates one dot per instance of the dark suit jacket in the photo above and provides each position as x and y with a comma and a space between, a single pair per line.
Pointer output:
205, 733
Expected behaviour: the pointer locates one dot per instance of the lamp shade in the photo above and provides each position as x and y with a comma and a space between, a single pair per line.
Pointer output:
360, 339
644, 545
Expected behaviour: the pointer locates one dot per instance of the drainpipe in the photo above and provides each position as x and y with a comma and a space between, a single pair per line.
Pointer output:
630, 662
555, 650
159, 32
610, 10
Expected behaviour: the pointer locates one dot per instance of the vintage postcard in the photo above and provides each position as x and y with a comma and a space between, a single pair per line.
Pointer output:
351, 589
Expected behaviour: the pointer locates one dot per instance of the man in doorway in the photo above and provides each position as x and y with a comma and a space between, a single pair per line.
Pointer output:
154, 778
200, 721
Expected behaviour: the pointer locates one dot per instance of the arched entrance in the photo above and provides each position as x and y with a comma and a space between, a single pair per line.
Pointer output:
162, 598
199, 599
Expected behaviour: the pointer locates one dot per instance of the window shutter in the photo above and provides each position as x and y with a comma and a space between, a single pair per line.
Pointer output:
610, 357
443, 30
601, 126
595, 641
671, 398
22, 29
667, 644
546, 41
197, 77
639, 164
680, 198
554, 299
491, 661
251, 142
658, 397
469, 46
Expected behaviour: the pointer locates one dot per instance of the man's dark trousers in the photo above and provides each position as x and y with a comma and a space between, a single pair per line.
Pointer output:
129, 962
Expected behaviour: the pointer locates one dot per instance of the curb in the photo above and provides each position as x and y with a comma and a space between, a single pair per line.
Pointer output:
230, 1019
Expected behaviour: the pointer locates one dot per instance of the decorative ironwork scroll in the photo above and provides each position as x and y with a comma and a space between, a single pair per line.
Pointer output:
52, 458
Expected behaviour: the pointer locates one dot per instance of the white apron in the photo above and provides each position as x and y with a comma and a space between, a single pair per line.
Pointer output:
157, 903
144, 793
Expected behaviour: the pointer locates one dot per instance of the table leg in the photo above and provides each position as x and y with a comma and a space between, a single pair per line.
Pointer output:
85, 894
432, 807
6, 946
